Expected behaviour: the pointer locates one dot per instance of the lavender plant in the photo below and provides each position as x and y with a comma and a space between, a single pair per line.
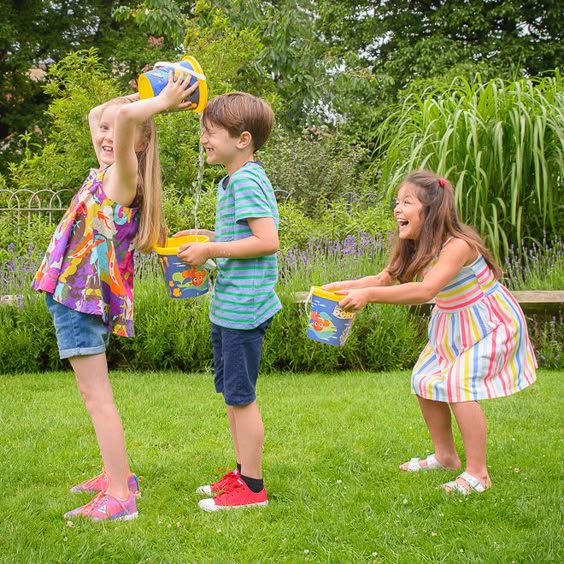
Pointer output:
538, 266
325, 260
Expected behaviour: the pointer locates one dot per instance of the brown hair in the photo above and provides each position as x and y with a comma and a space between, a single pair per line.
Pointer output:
152, 227
439, 222
237, 112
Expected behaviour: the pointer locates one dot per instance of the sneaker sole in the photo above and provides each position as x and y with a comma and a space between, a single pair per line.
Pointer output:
129, 517
213, 508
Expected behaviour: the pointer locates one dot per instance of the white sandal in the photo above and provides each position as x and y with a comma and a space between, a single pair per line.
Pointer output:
414, 465
472, 481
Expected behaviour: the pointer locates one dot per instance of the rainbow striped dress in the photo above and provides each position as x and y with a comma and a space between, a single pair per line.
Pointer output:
478, 345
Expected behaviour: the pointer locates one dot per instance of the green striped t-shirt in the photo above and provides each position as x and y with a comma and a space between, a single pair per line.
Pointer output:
243, 295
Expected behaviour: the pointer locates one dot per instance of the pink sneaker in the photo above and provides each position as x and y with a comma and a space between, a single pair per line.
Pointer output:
106, 507
220, 485
236, 496
100, 483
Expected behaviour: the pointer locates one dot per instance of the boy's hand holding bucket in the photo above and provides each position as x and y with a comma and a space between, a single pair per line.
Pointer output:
184, 280
194, 253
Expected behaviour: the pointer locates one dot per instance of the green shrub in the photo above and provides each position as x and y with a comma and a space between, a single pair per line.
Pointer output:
175, 334
315, 169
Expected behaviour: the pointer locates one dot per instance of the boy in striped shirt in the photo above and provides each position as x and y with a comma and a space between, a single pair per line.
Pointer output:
243, 301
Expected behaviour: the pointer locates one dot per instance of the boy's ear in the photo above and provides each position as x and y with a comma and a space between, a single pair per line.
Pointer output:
245, 139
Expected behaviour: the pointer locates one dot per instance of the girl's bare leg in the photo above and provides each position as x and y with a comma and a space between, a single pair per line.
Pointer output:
94, 386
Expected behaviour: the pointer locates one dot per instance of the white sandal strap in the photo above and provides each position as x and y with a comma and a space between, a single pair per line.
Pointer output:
413, 465
433, 463
473, 482
455, 486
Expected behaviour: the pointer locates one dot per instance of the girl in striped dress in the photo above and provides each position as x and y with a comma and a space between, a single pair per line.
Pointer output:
478, 345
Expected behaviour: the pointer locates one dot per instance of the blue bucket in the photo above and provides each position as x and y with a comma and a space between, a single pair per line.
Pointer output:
152, 83
328, 323
183, 281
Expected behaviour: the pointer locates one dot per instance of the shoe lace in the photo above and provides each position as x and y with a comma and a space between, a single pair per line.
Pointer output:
93, 481
232, 490
230, 474
90, 506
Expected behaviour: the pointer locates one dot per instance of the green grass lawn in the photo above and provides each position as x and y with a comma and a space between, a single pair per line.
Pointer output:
333, 445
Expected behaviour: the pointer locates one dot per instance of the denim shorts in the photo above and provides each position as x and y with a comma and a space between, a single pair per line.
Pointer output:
78, 334
236, 356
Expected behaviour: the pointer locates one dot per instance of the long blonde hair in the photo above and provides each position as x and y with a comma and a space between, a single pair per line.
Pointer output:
439, 222
152, 226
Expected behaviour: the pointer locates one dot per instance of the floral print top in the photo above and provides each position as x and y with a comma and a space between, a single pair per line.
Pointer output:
88, 265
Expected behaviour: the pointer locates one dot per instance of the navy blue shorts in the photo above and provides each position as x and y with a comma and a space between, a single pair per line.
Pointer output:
236, 356
78, 334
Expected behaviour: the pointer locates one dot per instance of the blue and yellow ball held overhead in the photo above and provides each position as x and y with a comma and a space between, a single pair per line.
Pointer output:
151, 83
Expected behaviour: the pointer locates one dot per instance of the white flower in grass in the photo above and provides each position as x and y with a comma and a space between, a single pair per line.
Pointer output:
306, 551
339, 482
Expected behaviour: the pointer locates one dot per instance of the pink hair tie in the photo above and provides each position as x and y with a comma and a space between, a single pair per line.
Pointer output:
442, 182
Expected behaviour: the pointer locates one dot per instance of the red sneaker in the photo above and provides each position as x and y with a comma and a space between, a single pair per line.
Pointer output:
237, 496
220, 485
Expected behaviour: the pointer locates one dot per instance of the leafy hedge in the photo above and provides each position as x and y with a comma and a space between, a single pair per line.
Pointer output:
174, 334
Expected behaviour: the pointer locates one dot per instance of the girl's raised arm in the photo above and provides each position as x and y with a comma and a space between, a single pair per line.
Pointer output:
122, 183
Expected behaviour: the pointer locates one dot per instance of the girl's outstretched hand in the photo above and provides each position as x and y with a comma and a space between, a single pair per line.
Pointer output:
354, 300
334, 286
206, 232
176, 92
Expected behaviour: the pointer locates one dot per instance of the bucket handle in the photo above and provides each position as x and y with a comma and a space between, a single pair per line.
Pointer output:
308, 301
181, 68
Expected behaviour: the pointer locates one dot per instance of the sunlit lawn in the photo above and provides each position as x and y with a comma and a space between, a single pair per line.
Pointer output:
333, 444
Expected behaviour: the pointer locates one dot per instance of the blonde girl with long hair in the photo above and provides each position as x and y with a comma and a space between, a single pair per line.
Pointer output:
87, 274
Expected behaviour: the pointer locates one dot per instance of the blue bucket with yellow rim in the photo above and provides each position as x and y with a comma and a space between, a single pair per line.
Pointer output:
182, 280
152, 83
328, 323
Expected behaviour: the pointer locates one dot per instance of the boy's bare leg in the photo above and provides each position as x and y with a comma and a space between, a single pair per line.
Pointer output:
94, 386
250, 438
233, 429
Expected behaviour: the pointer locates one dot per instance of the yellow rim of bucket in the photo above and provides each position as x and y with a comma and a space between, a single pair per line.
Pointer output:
318, 291
172, 249
144, 87
202, 84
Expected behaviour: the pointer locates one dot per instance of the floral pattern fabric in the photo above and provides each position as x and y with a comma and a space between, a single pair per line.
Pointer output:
88, 265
